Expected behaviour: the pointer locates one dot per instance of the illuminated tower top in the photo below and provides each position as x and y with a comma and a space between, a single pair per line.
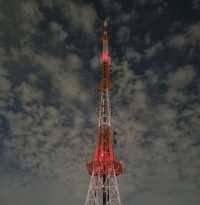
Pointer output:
104, 160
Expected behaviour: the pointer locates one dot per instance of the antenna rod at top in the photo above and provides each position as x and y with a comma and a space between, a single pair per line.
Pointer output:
105, 58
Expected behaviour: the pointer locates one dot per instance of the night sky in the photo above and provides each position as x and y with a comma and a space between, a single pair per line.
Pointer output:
49, 72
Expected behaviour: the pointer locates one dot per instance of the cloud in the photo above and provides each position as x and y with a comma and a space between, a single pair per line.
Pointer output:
31, 15
177, 41
81, 16
153, 50
19, 22
5, 87
94, 62
132, 54
28, 93
178, 83
181, 78
4, 82
58, 34
65, 75
193, 33
190, 37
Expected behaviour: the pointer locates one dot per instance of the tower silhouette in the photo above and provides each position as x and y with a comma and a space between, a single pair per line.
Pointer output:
104, 168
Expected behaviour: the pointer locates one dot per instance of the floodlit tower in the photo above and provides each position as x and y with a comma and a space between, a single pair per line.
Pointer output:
104, 168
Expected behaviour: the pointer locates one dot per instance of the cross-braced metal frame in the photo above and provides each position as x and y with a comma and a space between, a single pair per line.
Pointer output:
103, 190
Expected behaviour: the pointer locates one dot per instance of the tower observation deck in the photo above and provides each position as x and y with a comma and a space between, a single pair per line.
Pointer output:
104, 167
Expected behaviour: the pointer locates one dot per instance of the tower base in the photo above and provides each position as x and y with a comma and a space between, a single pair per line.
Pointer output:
103, 190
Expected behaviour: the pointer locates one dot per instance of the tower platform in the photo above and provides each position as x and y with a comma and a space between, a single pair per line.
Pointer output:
102, 168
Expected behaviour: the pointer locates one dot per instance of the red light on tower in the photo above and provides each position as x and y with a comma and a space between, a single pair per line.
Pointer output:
105, 58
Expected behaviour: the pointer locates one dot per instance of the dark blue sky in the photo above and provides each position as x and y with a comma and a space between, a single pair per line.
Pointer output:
49, 71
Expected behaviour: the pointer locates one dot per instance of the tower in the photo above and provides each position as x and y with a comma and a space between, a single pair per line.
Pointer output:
104, 168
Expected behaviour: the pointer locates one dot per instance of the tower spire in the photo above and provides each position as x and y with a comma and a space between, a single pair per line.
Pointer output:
104, 168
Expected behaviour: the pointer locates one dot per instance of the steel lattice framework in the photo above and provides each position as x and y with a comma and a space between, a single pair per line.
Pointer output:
103, 190
104, 168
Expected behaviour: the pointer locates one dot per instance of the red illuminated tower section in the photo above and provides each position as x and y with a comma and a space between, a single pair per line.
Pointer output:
104, 167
